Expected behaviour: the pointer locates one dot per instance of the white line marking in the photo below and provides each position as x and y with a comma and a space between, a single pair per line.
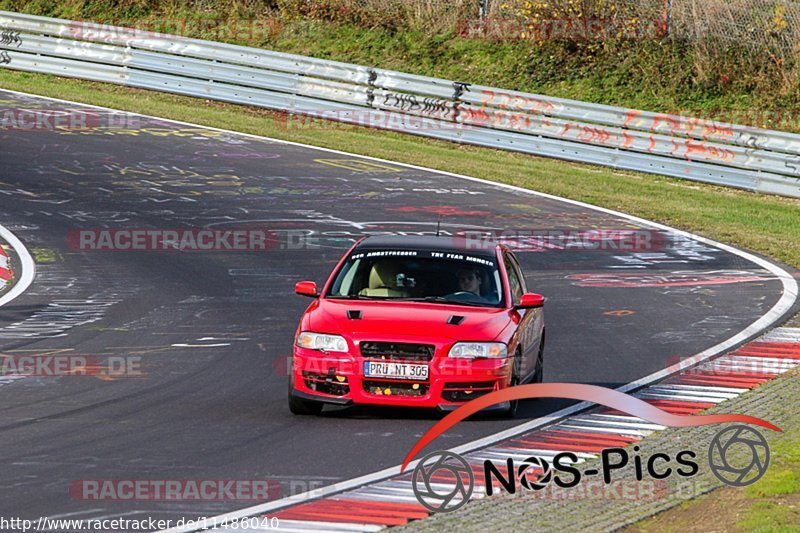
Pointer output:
183, 345
682, 397
784, 304
707, 388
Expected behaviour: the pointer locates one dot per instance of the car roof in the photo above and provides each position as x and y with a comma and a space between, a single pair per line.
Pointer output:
428, 243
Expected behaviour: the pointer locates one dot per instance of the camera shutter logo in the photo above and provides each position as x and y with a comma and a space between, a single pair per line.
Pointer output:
448, 494
535, 463
724, 455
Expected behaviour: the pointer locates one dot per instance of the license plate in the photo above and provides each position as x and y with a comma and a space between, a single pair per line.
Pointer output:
374, 369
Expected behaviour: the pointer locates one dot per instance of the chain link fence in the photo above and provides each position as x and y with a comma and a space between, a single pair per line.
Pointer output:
759, 25
772, 25
428, 15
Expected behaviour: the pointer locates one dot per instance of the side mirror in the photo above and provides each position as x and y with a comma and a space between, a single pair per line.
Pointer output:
306, 288
530, 301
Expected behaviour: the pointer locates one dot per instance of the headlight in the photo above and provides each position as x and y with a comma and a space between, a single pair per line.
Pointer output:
321, 342
474, 350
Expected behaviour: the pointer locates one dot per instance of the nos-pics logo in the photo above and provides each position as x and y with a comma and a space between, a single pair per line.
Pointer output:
445, 481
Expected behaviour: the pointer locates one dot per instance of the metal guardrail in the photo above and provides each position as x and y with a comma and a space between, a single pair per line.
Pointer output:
702, 150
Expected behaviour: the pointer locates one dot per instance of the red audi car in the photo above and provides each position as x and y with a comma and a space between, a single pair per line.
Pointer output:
428, 322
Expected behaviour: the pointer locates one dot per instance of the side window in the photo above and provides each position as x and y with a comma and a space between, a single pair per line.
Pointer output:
513, 280
519, 273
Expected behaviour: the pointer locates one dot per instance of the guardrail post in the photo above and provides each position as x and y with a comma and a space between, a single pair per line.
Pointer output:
373, 75
459, 88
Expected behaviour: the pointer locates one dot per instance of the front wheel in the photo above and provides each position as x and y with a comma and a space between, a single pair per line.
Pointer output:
538, 377
299, 406
513, 405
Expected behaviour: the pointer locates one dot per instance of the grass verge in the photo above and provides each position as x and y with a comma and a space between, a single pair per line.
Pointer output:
771, 504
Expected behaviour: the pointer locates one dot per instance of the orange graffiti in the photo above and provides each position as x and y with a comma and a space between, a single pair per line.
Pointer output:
479, 116
630, 115
628, 140
672, 122
621, 312
516, 102
590, 134
712, 128
707, 152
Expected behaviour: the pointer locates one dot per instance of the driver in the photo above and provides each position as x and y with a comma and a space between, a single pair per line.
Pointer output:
469, 280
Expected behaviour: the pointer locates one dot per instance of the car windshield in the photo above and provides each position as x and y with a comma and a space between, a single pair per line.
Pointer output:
419, 275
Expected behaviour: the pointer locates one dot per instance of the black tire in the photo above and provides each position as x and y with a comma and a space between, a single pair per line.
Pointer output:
538, 377
299, 406
513, 407
302, 407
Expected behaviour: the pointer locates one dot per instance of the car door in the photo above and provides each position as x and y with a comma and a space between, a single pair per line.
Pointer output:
532, 320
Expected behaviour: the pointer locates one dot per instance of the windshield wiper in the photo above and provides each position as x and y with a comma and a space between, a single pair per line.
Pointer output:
443, 300
360, 297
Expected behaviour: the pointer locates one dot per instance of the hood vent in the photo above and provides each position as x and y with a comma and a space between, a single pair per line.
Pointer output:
353, 314
455, 320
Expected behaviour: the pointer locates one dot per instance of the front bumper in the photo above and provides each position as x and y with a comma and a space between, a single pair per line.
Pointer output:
339, 379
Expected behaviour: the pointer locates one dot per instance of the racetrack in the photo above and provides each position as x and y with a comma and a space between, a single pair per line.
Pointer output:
212, 330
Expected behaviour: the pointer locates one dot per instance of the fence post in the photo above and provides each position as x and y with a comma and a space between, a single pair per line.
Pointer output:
484, 9
667, 17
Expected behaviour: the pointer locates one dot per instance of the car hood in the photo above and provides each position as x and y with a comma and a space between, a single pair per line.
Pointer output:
405, 320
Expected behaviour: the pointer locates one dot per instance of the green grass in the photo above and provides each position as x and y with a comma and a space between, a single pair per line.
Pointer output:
783, 477
769, 516
768, 225
775, 499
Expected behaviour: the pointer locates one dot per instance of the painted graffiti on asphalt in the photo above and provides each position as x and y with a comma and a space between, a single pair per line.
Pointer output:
669, 279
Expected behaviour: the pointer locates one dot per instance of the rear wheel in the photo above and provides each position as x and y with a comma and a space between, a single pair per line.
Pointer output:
300, 406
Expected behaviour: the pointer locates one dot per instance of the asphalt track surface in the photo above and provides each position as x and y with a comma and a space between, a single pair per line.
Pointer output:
212, 330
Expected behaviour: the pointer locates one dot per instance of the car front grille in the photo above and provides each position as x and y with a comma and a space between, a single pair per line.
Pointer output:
393, 388
326, 383
464, 392
397, 351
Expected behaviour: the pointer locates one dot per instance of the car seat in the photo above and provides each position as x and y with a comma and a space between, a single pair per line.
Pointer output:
383, 281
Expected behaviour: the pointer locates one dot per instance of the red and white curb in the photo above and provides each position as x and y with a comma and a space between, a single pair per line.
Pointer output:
25, 276
26, 267
391, 502
6, 272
